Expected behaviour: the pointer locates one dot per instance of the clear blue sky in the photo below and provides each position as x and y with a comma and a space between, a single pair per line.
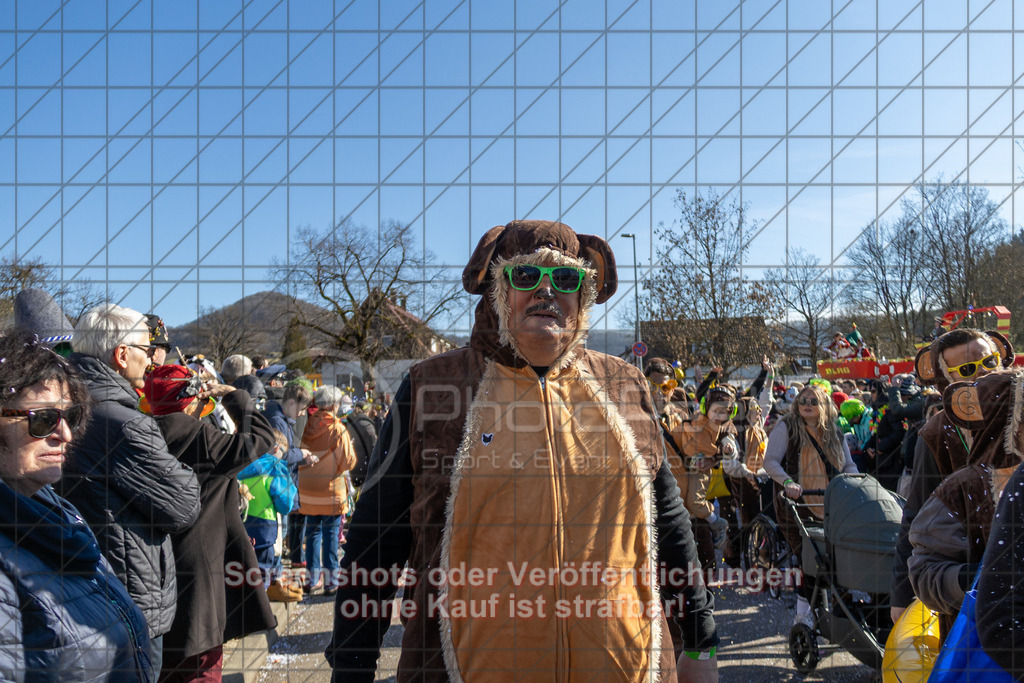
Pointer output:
170, 149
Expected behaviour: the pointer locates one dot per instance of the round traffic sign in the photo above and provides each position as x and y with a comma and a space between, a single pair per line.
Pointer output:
640, 349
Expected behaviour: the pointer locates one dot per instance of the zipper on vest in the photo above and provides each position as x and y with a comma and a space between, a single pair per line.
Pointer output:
562, 649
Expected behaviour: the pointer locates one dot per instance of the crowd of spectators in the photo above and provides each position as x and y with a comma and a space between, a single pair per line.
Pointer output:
143, 491
135, 484
947, 439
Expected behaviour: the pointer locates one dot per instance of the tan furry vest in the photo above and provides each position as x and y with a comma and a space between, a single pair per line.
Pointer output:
533, 523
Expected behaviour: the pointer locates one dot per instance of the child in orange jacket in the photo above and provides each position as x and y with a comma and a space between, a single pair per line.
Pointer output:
700, 444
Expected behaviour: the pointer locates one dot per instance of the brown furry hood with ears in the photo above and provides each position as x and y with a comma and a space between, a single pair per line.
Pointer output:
990, 407
533, 242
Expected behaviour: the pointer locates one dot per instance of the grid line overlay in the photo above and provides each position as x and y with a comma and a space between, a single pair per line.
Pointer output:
454, 116
173, 155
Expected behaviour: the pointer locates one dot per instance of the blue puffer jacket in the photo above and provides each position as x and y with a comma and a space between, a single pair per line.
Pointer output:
64, 616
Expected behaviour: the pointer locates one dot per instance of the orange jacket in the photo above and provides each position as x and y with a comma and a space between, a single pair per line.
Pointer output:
322, 487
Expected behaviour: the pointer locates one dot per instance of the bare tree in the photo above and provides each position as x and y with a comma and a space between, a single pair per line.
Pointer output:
16, 275
367, 281
74, 297
221, 332
1001, 279
808, 290
890, 264
703, 310
961, 226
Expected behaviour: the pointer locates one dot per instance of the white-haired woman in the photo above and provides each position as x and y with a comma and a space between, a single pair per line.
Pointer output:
323, 491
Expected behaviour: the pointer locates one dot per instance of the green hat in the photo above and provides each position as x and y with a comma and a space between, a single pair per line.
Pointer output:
852, 408
823, 383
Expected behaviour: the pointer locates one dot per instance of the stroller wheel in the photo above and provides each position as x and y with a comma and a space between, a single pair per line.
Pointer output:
803, 648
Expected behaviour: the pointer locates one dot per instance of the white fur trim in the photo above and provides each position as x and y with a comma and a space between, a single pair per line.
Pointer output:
543, 256
644, 480
469, 436
945, 370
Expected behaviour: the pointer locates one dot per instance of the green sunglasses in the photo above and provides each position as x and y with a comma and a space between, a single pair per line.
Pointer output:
565, 279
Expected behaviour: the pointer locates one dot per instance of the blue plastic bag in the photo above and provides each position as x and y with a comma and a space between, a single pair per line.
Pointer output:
962, 658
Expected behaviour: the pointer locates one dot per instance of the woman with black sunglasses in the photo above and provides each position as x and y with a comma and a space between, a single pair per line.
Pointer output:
805, 450
64, 616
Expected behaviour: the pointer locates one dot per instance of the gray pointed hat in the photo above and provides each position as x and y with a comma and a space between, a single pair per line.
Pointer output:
36, 311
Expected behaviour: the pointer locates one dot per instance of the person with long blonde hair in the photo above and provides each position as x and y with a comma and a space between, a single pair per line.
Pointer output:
805, 450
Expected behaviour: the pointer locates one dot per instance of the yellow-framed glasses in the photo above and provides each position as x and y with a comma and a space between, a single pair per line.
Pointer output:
970, 369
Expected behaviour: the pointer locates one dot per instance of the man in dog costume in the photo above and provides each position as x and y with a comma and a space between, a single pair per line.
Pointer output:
523, 478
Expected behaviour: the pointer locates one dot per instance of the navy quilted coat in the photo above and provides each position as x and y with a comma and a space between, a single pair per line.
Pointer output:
64, 616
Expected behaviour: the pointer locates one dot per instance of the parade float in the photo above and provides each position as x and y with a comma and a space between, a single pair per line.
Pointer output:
870, 367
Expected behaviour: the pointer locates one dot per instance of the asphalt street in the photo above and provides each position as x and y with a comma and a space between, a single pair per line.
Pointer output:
753, 627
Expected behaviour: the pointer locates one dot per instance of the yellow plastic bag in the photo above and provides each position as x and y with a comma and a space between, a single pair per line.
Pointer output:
912, 646
716, 487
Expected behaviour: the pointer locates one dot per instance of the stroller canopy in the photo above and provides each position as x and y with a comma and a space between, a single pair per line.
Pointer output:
862, 522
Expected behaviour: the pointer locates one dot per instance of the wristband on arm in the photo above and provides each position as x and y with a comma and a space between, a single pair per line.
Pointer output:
701, 655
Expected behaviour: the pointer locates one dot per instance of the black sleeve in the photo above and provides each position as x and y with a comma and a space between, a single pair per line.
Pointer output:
142, 470
913, 410
872, 442
893, 438
379, 536
758, 385
252, 438
924, 478
896, 405
1000, 605
688, 600
705, 385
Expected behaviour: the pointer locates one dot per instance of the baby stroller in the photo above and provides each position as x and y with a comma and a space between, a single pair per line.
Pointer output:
849, 559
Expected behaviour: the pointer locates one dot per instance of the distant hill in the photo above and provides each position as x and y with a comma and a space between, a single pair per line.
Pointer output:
255, 324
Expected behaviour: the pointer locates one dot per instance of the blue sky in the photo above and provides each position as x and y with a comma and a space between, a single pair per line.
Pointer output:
171, 149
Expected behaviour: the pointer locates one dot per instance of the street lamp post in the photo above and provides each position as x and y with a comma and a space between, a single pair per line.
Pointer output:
636, 296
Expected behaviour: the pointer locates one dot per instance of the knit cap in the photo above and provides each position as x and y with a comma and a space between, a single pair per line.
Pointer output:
838, 397
170, 389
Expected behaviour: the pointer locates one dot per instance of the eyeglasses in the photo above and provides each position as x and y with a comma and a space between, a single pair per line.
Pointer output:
148, 348
968, 370
42, 422
808, 401
565, 279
